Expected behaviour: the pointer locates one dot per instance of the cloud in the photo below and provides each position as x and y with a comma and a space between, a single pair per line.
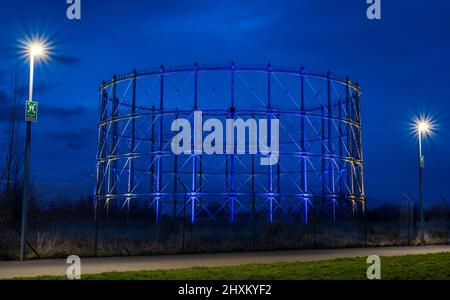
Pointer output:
216, 19
66, 59
73, 139
40, 88
64, 112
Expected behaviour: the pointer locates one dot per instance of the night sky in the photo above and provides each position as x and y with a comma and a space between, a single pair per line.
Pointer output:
402, 63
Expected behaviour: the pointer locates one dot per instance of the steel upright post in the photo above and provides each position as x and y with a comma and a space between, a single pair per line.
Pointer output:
349, 142
113, 150
160, 146
132, 145
279, 200
341, 151
102, 142
360, 151
304, 179
152, 148
232, 171
324, 180
331, 184
175, 179
269, 108
194, 156
352, 151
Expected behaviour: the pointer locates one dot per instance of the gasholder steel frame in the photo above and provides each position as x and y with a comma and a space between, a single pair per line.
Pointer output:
321, 158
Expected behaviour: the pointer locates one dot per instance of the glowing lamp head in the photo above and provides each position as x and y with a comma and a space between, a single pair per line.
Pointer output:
37, 50
423, 127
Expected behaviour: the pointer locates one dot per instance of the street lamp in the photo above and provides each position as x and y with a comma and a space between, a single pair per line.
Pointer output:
35, 50
423, 127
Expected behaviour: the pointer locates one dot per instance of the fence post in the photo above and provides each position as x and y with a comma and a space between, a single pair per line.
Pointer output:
315, 226
366, 224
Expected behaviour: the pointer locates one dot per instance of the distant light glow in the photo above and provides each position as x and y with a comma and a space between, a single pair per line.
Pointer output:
423, 126
36, 47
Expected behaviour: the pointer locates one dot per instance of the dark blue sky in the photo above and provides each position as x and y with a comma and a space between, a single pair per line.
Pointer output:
402, 63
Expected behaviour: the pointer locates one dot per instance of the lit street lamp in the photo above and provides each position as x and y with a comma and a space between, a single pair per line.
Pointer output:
423, 128
35, 50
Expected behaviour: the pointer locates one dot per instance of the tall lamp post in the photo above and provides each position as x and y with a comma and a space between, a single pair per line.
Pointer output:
35, 50
422, 129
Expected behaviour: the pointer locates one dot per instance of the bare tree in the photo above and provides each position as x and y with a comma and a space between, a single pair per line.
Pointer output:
13, 154
13, 161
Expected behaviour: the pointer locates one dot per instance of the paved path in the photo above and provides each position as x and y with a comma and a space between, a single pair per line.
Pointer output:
14, 269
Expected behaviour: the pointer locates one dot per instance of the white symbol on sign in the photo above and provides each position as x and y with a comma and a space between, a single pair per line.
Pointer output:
32, 109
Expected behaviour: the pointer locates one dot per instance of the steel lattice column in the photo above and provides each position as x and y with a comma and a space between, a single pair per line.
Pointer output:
304, 170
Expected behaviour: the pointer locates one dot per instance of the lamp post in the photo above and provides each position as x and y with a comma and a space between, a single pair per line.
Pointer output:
35, 50
422, 128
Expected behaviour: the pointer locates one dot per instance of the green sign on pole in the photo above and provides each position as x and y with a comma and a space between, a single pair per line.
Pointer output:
422, 162
31, 111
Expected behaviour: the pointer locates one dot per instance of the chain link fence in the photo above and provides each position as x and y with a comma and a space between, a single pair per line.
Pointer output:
62, 222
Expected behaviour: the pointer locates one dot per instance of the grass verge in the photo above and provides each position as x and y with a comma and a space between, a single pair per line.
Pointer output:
411, 267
